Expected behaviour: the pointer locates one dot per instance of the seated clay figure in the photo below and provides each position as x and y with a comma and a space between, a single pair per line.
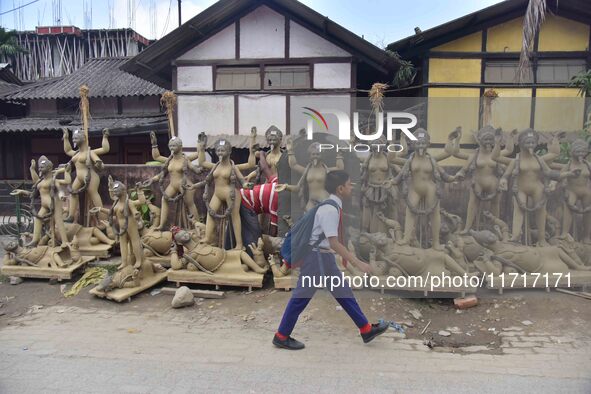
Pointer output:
192, 255
525, 259
40, 256
389, 258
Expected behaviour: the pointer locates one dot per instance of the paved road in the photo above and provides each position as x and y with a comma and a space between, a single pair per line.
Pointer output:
69, 349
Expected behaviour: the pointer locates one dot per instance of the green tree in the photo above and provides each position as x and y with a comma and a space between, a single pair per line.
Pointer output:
9, 46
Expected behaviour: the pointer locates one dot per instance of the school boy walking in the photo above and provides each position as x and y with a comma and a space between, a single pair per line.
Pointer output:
320, 262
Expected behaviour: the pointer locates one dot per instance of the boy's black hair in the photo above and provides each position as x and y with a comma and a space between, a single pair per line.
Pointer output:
335, 179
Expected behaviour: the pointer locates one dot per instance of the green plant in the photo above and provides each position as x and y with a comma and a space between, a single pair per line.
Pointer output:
9, 45
564, 156
406, 72
582, 81
144, 209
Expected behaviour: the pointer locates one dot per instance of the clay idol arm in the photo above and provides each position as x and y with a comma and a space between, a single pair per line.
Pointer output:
340, 165
553, 150
105, 147
67, 147
496, 152
509, 144
34, 175
202, 159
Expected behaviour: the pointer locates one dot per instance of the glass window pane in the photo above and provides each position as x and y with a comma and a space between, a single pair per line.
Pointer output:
238, 78
503, 71
559, 70
287, 77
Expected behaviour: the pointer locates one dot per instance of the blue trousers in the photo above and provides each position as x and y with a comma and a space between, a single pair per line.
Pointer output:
315, 266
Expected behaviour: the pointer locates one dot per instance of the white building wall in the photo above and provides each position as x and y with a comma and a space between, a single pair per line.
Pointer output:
262, 34
213, 115
332, 75
261, 111
304, 43
221, 45
194, 78
321, 103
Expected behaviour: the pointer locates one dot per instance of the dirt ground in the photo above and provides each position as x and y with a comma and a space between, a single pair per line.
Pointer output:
262, 309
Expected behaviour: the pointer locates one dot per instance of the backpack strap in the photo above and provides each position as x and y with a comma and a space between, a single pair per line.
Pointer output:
330, 202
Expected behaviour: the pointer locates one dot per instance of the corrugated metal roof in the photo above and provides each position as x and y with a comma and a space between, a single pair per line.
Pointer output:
114, 124
6, 87
101, 75
154, 62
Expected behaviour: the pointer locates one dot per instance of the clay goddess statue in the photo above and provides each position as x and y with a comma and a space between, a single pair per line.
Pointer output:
577, 189
484, 172
123, 218
311, 183
87, 164
177, 166
226, 177
529, 173
378, 194
46, 188
422, 177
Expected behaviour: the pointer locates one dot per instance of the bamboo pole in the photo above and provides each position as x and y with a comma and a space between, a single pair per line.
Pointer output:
84, 109
168, 101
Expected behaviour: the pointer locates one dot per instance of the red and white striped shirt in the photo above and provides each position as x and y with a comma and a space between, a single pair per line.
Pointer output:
262, 199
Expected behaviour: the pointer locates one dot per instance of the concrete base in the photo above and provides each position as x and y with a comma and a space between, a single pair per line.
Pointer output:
230, 273
285, 282
45, 273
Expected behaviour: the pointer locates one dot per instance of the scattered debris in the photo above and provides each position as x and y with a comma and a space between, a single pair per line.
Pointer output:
416, 314
425, 328
454, 330
133, 330
444, 333
527, 322
514, 328
183, 297
156, 292
197, 293
34, 308
465, 302
92, 276
407, 323
428, 343
16, 280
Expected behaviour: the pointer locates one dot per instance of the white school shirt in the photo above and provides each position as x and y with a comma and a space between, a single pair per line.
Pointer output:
326, 221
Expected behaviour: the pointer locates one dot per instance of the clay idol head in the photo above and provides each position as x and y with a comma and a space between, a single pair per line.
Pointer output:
223, 149
44, 165
579, 149
274, 136
175, 144
118, 189
315, 153
423, 141
528, 140
78, 138
486, 137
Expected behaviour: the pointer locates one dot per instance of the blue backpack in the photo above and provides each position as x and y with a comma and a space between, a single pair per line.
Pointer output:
296, 245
